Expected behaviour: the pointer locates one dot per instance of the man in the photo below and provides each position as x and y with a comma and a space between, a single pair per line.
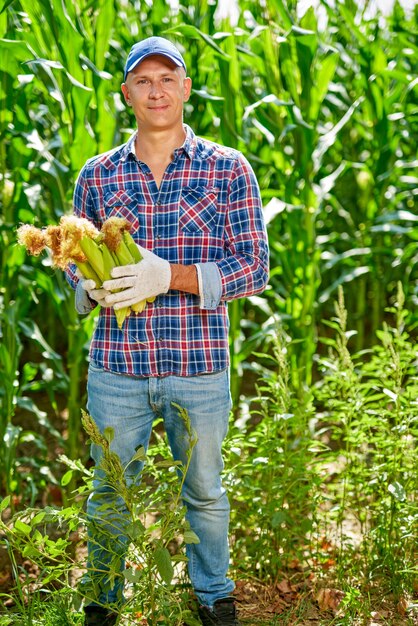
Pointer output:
196, 214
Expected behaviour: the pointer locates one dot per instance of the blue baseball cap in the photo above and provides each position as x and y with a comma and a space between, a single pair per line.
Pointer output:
150, 47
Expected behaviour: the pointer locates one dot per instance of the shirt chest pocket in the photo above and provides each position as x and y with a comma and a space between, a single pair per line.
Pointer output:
123, 203
198, 209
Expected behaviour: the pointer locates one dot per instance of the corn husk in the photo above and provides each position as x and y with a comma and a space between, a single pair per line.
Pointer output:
96, 253
116, 236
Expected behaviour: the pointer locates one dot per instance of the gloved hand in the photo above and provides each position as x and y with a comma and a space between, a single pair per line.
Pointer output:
99, 295
147, 279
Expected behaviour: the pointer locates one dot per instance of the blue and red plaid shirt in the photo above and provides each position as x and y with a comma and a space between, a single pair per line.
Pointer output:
207, 212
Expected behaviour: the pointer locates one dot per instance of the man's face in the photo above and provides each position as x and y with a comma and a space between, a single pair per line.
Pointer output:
157, 89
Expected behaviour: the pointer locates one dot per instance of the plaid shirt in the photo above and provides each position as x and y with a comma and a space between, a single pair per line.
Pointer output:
207, 212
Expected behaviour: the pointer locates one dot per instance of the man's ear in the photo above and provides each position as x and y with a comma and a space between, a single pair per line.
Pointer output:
125, 92
187, 86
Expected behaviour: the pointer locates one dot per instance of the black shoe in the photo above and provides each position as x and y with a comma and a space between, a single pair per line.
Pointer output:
223, 613
99, 616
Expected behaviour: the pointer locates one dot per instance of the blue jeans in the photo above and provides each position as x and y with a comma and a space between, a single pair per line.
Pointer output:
130, 405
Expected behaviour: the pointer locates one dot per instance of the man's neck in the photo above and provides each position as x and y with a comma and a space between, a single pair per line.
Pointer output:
159, 145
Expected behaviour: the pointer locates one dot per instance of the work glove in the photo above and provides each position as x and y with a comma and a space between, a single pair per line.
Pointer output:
99, 295
146, 279
94, 293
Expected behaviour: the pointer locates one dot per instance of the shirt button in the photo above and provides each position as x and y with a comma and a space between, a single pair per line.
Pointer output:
158, 203
160, 338
158, 237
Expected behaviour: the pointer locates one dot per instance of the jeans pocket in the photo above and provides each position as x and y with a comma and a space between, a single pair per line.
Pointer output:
212, 375
94, 367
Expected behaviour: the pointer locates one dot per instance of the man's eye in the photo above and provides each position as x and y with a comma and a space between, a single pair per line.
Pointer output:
167, 79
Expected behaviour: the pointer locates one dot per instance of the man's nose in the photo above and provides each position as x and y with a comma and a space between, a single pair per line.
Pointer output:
156, 90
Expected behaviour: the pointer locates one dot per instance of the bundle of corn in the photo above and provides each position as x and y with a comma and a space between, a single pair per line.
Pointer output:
95, 253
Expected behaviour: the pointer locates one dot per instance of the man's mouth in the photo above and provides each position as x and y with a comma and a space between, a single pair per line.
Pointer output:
161, 107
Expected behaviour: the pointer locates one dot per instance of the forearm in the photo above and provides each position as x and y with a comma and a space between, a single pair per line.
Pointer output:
184, 278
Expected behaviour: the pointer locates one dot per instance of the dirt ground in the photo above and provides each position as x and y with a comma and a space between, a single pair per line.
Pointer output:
296, 600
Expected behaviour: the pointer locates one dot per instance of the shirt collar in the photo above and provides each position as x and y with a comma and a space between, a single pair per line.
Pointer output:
189, 145
129, 147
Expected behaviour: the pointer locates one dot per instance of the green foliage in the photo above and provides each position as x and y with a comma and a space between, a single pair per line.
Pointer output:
327, 121
156, 528
271, 475
331, 477
368, 410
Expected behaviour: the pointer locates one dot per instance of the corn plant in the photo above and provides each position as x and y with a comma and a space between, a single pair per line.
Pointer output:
50, 141
292, 98
285, 99
327, 120
21, 376
373, 239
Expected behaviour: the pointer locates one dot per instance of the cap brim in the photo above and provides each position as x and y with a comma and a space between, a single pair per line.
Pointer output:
152, 54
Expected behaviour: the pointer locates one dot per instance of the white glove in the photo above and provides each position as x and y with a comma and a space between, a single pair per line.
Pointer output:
147, 279
99, 295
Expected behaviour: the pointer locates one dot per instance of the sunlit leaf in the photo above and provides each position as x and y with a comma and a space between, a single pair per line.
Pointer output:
140, 455
67, 477
22, 527
5, 503
397, 491
164, 566
191, 537
12, 55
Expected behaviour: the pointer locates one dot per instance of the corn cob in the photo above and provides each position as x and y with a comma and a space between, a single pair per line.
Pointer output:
101, 259
137, 256
132, 247
122, 252
112, 237
116, 236
108, 261
95, 256
88, 272
95, 253
109, 264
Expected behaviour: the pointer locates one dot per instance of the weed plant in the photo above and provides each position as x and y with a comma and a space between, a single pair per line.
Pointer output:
273, 484
154, 575
369, 416
327, 481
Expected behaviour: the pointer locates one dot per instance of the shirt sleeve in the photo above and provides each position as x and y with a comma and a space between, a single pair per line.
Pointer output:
83, 304
244, 269
210, 285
